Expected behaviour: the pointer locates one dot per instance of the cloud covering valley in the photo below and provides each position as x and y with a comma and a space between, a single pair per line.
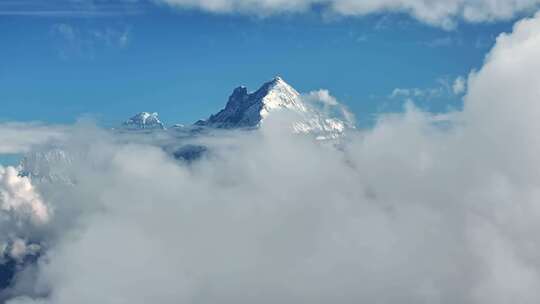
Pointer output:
412, 210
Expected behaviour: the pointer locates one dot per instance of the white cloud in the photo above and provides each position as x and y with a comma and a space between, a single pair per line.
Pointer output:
443, 13
330, 106
322, 96
21, 137
22, 211
459, 85
442, 42
420, 93
444, 89
18, 195
86, 42
70, 8
21, 249
66, 31
405, 212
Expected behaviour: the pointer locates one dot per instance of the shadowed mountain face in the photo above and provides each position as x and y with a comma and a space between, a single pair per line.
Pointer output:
7, 271
9, 268
190, 153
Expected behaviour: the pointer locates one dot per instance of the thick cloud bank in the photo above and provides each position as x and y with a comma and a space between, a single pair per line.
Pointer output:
414, 210
437, 12
22, 210
18, 195
21, 137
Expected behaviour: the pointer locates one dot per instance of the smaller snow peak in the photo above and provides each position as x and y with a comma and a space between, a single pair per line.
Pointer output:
144, 120
144, 116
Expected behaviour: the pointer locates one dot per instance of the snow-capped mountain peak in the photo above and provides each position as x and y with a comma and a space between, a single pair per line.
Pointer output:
248, 110
144, 120
280, 94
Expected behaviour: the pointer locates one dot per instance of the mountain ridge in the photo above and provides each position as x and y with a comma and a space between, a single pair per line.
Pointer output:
249, 110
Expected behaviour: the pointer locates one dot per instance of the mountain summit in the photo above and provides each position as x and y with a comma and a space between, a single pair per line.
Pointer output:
144, 120
248, 110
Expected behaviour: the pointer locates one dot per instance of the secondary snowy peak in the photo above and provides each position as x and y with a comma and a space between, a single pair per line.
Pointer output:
246, 109
144, 121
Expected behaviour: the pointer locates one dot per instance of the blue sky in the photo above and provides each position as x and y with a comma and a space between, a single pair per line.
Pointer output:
183, 63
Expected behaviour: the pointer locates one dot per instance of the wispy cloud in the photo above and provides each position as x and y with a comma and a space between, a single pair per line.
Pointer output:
442, 13
459, 86
445, 41
71, 8
18, 137
86, 42
444, 88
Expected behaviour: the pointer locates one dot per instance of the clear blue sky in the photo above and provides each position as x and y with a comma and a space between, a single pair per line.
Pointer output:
182, 63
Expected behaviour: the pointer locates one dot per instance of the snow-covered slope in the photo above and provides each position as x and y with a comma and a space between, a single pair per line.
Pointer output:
144, 121
249, 110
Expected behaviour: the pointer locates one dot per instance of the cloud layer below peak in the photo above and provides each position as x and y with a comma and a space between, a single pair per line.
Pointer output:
410, 211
